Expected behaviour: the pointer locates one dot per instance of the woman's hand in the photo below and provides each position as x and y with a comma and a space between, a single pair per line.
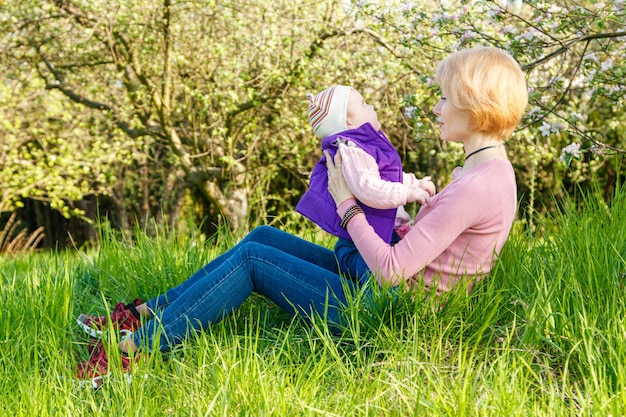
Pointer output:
337, 185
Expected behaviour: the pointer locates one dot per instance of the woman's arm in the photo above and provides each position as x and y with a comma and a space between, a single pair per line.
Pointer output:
441, 224
387, 261
445, 221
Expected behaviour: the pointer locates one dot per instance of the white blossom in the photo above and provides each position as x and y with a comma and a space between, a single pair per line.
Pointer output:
534, 113
598, 149
570, 151
607, 65
591, 57
545, 129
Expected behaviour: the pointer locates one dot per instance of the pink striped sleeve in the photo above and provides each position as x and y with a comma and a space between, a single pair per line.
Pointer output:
361, 173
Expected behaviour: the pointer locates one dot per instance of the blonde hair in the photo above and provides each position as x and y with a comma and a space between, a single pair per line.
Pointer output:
488, 84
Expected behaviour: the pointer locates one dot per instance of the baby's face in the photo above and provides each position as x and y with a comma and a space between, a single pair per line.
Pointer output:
359, 112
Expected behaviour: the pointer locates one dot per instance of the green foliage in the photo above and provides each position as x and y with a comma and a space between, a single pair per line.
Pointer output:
198, 107
50, 153
573, 70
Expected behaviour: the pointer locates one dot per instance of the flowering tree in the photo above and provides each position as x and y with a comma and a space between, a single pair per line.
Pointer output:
169, 107
169, 99
163, 107
574, 56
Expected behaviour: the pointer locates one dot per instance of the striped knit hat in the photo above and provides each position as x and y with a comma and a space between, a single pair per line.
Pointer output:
327, 110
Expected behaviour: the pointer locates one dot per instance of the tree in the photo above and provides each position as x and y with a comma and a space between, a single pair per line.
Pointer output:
149, 109
183, 86
573, 54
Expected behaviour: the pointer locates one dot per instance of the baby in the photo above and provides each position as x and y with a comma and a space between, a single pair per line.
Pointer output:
372, 168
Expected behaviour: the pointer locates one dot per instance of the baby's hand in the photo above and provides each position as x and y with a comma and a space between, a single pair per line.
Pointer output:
427, 185
420, 196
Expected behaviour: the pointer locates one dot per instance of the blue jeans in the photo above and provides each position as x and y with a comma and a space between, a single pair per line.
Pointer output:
351, 263
299, 276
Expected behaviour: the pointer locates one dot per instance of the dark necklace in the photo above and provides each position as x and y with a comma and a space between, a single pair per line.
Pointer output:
481, 149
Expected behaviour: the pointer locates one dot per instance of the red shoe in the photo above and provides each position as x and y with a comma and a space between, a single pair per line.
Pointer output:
124, 318
92, 372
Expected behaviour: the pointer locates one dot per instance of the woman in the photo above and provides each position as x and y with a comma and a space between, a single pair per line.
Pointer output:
456, 237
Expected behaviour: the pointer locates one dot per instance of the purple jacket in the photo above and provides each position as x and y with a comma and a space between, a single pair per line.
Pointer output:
318, 205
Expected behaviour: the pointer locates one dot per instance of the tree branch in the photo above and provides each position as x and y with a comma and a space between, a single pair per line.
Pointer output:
59, 85
569, 44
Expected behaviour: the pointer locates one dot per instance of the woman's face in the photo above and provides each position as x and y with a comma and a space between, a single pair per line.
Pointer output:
359, 112
455, 125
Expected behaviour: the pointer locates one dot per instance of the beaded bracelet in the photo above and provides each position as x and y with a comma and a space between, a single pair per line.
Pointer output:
349, 214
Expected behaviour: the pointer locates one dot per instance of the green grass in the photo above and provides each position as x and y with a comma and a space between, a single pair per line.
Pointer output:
545, 335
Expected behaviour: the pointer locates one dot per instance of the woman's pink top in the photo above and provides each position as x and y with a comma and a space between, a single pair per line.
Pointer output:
457, 235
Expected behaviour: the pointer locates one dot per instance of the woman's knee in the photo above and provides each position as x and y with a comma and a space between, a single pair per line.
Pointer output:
261, 234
